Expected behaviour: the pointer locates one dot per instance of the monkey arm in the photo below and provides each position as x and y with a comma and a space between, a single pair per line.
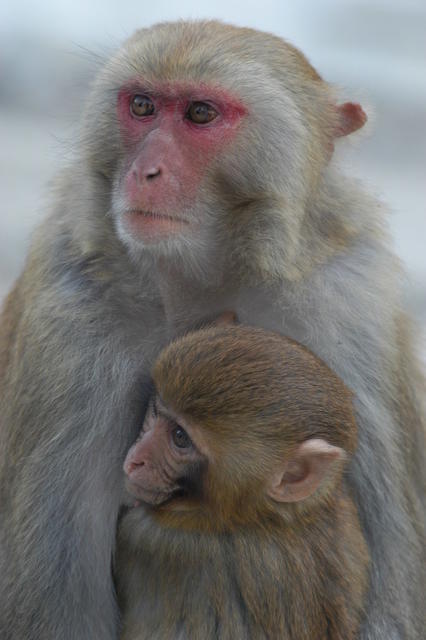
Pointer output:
68, 400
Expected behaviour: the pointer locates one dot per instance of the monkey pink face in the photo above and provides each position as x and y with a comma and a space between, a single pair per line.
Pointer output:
171, 134
164, 462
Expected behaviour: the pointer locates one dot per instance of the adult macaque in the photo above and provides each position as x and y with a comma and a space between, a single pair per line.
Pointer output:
245, 526
203, 182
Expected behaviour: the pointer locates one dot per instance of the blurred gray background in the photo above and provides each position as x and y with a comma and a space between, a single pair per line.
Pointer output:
374, 49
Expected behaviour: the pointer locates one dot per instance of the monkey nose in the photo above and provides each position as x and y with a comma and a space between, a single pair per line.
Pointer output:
153, 173
140, 175
130, 466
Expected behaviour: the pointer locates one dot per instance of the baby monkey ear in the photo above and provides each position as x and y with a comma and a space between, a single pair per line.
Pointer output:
306, 470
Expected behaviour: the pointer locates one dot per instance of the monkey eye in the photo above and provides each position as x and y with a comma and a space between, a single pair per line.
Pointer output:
201, 113
141, 106
180, 438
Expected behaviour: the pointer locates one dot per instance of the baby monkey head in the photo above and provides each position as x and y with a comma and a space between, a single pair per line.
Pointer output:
244, 425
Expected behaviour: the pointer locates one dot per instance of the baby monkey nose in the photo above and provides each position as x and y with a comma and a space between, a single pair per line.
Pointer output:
132, 465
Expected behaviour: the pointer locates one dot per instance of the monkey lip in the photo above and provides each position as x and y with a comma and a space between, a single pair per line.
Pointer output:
152, 498
153, 226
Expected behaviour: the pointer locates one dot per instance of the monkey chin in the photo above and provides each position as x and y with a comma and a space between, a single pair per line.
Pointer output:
181, 242
161, 237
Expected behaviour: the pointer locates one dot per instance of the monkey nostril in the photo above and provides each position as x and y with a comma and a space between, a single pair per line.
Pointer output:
153, 173
133, 466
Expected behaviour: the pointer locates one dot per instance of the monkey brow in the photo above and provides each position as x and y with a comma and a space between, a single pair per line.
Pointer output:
161, 410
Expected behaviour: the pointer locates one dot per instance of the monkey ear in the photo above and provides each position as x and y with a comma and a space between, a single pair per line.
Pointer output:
305, 471
351, 117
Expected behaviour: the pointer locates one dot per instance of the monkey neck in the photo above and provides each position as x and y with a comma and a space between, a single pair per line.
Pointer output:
180, 291
260, 583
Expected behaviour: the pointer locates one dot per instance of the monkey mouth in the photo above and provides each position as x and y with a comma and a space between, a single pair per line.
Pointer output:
152, 498
147, 213
166, 499
152, 226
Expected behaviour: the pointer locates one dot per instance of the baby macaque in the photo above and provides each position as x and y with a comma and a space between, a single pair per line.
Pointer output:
242, 525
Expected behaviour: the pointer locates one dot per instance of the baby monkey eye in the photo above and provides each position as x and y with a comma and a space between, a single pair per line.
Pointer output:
201, 113
180, 438
142, 106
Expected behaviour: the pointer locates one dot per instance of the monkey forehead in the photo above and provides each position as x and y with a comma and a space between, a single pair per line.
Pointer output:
198, 50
